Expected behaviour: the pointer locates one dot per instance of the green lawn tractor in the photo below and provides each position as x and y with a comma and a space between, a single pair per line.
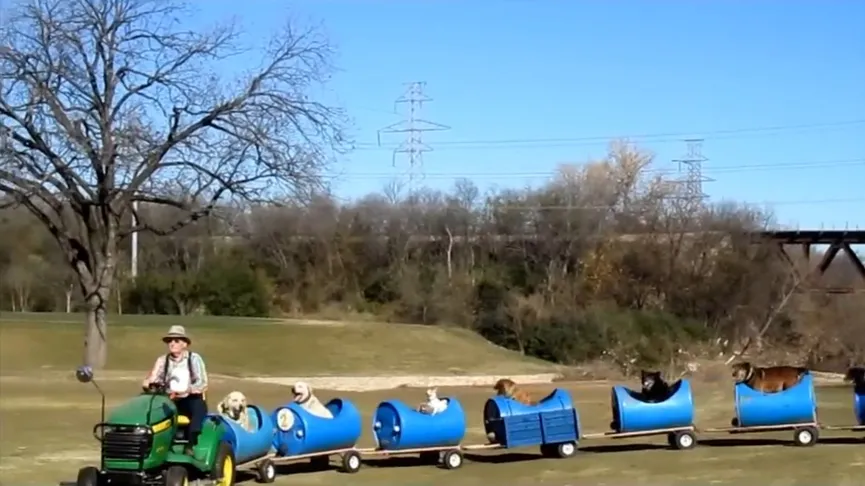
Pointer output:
144, 443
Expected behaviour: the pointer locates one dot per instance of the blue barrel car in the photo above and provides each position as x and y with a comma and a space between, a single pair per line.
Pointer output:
301, 434
859, 404
553, 423
399, 428
674, 416
794, 408
253, 444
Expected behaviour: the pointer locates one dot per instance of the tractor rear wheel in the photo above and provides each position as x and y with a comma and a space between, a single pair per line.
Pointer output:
223, 471
88, 476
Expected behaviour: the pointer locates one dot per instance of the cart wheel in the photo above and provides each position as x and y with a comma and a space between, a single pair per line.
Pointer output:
453, 459
805, 436
566, 449
431, 457
683, 440
88, 476
547, 450
351, 462
176, 476
265, 471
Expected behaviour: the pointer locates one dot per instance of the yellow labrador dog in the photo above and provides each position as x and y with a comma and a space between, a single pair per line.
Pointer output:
234, 407
304, 397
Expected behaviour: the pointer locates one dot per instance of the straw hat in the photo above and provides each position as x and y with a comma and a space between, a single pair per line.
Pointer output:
176, 332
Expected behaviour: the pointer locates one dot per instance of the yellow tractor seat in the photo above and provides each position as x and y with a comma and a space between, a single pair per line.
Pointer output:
182, 420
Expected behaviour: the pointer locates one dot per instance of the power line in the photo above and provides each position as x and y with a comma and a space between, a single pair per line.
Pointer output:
663, 137
414, 128
730, 169
694, 178
794, 202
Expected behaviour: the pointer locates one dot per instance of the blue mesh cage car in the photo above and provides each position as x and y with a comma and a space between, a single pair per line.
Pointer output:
552, 423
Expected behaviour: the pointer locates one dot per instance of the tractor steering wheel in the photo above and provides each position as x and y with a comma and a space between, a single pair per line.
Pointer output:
156, 388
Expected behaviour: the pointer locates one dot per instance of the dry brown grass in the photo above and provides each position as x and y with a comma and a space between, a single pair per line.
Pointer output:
47, 421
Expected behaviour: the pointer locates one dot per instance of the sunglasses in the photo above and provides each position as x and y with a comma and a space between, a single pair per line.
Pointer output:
174, 340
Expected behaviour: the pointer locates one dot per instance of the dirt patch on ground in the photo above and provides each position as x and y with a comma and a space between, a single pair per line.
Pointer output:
372, 383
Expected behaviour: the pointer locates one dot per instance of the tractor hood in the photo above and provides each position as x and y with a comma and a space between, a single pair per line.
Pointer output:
135, 411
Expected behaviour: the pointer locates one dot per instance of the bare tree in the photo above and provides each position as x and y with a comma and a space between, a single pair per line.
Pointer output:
107, 103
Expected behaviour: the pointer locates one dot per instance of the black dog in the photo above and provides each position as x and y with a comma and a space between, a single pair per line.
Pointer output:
857, 377
655, 389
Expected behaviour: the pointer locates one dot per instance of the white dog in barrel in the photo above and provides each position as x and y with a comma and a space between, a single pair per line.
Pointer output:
433, 404
304, 397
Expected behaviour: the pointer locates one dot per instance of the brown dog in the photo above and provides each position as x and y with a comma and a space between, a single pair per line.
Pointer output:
507, 388
856, 376
768, 380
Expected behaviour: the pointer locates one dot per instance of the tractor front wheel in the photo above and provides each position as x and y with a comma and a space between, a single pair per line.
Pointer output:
176, 476
88, 476
223, 471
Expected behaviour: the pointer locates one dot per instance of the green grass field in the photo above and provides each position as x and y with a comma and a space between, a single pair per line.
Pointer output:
46, 417
262, 347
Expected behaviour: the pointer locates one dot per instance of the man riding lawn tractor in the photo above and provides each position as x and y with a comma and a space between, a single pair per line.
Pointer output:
163, 436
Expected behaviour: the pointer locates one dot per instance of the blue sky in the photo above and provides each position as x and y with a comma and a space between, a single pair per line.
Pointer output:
519, 69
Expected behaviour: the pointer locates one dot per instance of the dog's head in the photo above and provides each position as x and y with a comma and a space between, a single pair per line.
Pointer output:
233, 405
650, 379
432, 394
301, 391
742, 372
855, 375
505, 387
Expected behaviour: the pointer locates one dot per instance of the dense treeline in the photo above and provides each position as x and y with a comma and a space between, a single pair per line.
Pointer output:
601, 262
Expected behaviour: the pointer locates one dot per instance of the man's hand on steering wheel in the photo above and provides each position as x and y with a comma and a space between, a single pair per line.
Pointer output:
154, 386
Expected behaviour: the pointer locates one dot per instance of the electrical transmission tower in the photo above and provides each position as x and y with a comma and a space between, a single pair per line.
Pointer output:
693, 179
413, 146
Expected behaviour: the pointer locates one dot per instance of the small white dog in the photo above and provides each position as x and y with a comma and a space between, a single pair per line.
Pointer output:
433, 404
304, 397
234, 407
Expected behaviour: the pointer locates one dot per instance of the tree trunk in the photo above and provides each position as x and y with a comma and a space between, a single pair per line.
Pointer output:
96, 340
450, 253
119, 294
96, 268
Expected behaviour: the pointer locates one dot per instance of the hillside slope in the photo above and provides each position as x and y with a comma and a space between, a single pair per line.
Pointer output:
263, 347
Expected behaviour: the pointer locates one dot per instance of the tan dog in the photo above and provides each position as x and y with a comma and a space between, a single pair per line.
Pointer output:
304, 397
768, 380
235, 408
507, 388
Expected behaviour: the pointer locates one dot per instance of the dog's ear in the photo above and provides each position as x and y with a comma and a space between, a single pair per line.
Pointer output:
222, 407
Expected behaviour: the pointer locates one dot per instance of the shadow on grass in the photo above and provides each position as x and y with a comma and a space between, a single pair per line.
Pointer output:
760, 442
503, 458
399, 461
739, 442
601, 449
851, 440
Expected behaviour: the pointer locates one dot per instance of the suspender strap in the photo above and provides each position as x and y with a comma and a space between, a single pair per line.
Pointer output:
192, 376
